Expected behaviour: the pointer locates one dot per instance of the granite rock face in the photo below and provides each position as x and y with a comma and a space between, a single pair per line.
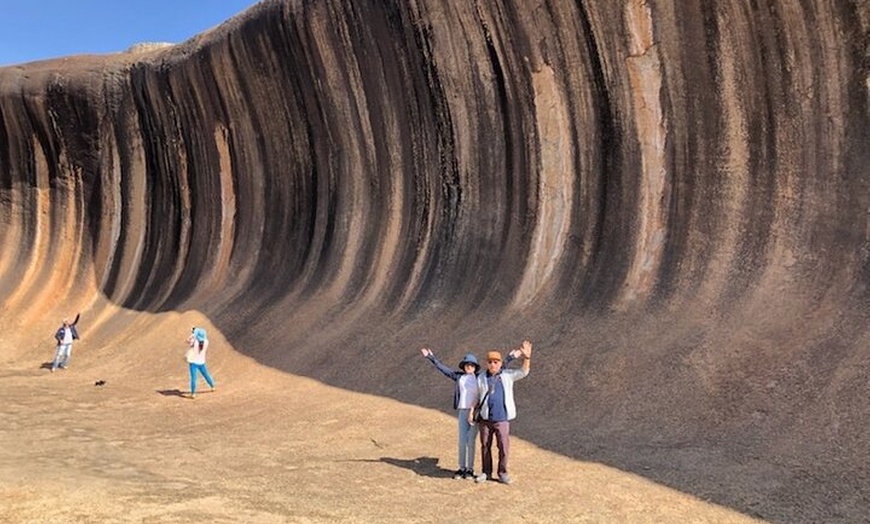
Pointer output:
670, 199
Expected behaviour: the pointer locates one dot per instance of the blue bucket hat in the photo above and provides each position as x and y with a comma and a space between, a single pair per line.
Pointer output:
199, 334
469, 359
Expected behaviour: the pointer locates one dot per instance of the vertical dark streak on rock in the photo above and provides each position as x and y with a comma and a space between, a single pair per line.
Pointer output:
699, 210
6, 166
36, 127
682, 194
369, 39
290, 199
301, 73
495, 286
607, 267
163, 221
193, 135
755, 233
248, 240
412, 171
119, 128
442, 251
328, 158
858, 156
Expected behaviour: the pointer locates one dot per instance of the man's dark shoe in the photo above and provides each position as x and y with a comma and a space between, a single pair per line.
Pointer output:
459, 474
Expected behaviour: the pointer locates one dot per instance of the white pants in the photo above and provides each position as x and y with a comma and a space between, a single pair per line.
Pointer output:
61, 357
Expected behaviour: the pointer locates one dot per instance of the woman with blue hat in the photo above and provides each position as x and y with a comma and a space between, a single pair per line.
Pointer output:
465, 398
198, 341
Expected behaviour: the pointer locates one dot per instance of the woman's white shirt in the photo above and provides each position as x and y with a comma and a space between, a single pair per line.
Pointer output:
468, 392
197, 355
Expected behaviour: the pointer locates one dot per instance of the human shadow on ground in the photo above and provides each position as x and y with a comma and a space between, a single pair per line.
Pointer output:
46, 365
172, 393
424, 466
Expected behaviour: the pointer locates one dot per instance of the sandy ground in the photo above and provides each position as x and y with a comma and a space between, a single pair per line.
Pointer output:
268, 447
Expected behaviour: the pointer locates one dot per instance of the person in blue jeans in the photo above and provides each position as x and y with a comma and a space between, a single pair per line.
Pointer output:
465, 398
196, 353
64, 336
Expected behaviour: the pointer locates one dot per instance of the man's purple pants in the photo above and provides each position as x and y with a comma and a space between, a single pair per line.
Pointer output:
501, 431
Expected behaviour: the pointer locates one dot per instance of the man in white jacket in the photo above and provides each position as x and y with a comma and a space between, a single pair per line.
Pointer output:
497, 409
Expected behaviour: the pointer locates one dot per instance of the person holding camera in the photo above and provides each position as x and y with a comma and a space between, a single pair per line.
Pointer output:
195, 356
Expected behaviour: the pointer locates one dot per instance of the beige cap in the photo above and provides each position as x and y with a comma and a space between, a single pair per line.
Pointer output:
493, 355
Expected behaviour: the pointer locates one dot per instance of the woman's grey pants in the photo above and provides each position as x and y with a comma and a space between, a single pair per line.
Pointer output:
467, 440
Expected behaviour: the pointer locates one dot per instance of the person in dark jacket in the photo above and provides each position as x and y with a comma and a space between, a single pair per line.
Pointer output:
465, 398
65, 336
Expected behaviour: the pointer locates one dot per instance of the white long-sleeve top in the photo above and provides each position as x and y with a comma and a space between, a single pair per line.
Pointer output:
468, 391
197, 354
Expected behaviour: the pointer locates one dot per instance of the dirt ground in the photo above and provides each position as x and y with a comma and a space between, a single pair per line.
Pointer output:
266, 447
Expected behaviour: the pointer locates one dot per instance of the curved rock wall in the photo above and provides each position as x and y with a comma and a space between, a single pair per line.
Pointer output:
671, 200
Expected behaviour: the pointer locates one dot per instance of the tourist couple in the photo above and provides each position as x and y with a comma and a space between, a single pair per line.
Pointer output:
484, 400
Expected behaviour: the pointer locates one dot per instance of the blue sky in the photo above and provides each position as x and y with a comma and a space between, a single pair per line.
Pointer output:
39, 29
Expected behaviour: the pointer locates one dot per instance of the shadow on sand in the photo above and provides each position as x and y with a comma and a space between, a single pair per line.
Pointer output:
424, 466
172, 393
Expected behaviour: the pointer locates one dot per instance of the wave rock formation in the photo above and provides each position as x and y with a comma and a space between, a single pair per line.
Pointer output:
670, 199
